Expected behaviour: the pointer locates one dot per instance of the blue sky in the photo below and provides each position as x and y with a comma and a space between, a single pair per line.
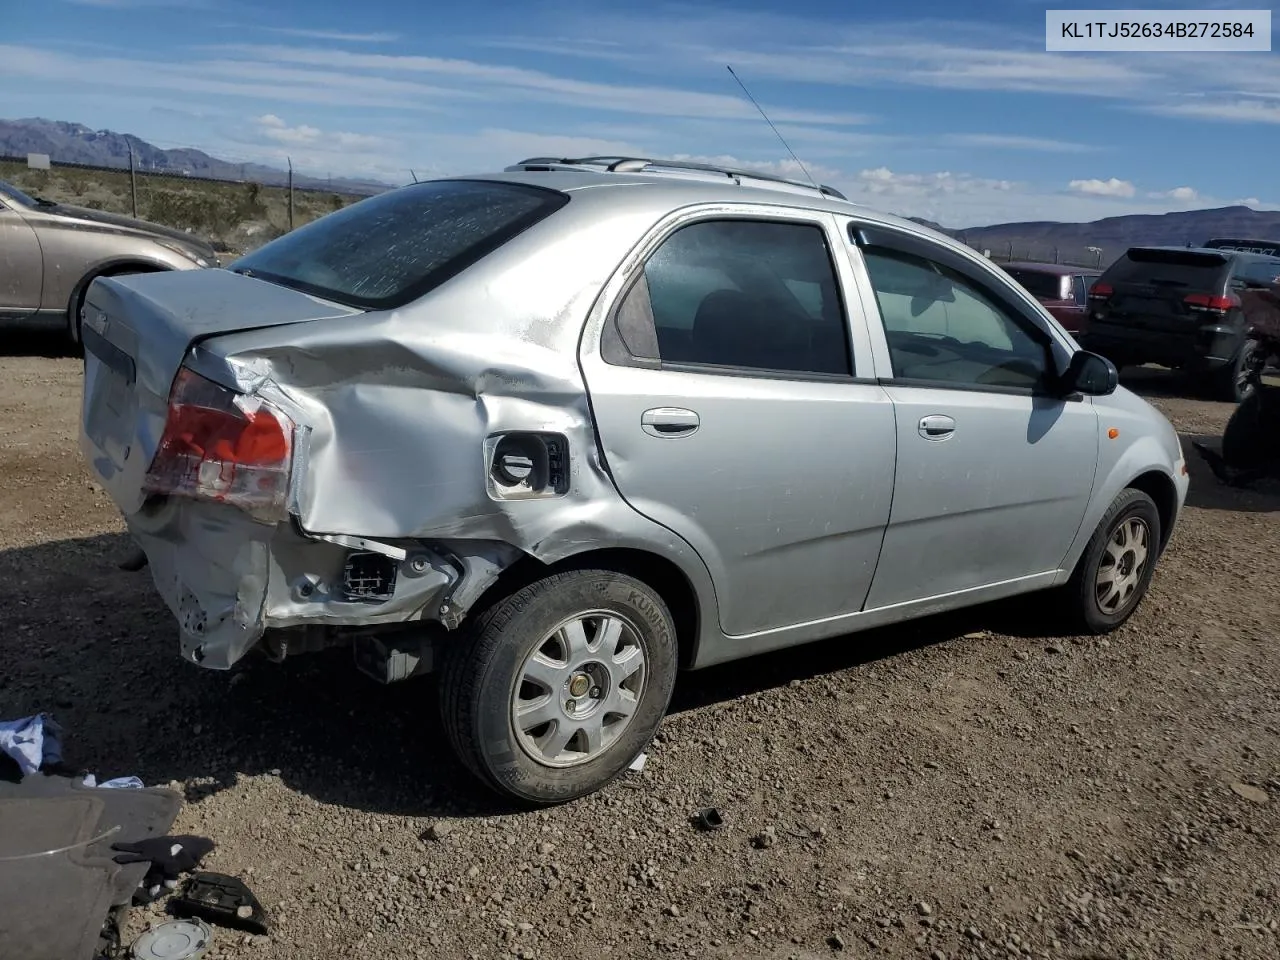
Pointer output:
944, 110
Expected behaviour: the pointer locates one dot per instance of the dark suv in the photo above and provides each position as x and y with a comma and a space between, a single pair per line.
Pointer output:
1181, 307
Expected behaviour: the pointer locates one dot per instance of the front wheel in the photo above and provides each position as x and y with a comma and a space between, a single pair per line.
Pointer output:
554, 690
1116, 568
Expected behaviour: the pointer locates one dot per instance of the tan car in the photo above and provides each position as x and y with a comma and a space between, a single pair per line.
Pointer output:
50, 252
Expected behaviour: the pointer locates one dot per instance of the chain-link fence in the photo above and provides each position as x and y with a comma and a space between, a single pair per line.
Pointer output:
1089, 256
234, 215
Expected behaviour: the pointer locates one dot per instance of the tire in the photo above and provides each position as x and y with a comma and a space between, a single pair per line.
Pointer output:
492, 671
1233, 384
1130, 512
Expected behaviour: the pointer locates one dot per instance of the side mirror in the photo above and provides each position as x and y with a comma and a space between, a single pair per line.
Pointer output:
1091, 374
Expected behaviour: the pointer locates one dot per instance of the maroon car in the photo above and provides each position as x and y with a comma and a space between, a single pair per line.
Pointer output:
1063, 289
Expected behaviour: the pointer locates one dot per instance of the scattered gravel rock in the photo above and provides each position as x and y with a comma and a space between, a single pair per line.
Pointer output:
437, 831
1249, 792
765, 839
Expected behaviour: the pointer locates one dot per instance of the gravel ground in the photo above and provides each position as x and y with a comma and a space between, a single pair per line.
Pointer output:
967, 786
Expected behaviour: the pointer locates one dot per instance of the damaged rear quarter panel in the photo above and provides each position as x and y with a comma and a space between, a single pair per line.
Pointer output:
395, 406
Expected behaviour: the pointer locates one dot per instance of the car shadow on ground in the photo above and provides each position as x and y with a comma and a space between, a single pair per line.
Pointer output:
1207, 492
17, 340
94, 646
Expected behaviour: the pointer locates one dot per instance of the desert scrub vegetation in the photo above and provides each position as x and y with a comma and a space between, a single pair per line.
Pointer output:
235, 217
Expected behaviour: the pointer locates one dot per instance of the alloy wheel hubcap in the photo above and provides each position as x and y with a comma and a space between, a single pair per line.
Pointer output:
578, 690
1122, 565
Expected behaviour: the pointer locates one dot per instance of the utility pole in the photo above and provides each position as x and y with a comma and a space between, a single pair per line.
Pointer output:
133, 179
290, 159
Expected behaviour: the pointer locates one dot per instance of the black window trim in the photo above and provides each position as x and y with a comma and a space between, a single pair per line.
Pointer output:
1079, 289
442, 274
614, 351
868, 236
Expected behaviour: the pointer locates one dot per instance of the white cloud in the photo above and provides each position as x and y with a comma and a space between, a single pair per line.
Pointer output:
936, 54
338, 35
584, 47
1103, 188
1181, 194
496, 147
275, 129
510, 82
1223, 111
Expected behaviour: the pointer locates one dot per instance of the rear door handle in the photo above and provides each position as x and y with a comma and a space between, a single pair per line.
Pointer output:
937, 427
669, 422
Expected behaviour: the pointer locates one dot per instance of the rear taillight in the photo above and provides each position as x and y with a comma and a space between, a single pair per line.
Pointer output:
1100, 291
222, 446
1205, 303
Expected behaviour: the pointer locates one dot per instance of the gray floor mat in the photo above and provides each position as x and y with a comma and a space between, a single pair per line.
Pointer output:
52, 907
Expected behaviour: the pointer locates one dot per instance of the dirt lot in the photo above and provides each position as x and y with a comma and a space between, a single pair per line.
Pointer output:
970, 786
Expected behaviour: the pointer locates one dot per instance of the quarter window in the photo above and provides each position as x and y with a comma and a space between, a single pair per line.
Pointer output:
942, 326
747, 294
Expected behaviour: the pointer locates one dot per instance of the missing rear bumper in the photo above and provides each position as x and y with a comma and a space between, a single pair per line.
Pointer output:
231, 582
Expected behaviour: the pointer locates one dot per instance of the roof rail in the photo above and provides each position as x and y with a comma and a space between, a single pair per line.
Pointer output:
645, 165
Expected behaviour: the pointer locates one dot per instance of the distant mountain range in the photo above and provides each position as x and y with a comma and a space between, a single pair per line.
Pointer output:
1114, 235
76, 143
66, 142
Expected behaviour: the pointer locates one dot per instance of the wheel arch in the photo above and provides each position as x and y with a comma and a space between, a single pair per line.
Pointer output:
664, 575
1145, 466
1159, 487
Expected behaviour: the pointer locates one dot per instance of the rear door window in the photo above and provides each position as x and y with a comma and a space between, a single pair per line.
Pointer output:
755, 295
392, 248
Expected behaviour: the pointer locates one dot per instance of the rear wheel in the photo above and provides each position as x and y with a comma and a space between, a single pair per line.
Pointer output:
554, 690
1235, 382
1113, 574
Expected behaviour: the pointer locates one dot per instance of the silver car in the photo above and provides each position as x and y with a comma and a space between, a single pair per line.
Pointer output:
557, 432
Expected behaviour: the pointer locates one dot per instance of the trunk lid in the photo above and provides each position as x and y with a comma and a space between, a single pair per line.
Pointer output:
1150, 287
137, 331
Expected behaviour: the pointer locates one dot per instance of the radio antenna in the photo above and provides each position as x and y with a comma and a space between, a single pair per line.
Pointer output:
774, 129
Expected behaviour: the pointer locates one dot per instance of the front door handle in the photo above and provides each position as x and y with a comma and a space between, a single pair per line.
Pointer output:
937, 427
669, 422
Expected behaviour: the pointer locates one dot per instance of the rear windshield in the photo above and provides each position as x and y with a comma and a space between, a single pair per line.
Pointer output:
1171, 268
1046, 286
392, 248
